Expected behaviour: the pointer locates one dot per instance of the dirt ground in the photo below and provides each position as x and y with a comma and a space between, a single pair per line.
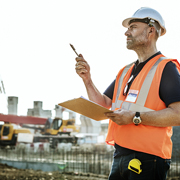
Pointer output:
11, 173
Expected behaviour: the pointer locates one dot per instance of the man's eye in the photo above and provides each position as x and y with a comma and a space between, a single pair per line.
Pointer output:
132, 27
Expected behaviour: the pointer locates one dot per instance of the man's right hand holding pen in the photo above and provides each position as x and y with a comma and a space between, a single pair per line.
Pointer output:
82, 68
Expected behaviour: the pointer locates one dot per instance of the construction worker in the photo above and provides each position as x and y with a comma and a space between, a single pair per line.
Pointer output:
145, 100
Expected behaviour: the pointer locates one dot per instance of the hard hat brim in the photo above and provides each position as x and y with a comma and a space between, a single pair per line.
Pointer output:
125, 23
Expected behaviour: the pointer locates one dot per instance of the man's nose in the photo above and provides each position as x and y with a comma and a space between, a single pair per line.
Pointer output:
127, 33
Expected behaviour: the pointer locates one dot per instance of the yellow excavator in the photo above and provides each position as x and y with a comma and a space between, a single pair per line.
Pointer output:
60, 126
9, 134
57, 131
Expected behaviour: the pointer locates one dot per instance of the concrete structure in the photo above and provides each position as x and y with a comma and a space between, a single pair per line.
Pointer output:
12, 105
38, 110
59, 110
104, 128
92, 131
44, 166
89, 125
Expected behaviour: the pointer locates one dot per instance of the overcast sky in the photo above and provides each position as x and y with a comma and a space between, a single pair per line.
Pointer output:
37, 63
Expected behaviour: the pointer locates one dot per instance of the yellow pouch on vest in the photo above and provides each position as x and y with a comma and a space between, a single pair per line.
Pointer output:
135, 166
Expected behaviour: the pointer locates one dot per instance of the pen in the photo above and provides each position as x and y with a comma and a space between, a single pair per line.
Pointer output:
74, 49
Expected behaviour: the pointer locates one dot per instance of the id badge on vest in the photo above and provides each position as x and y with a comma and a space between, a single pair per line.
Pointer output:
132, 95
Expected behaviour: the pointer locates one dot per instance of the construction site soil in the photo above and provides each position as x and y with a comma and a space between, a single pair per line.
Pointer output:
11, 173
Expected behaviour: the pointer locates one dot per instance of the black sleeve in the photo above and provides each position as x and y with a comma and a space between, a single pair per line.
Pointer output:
110, 90
169, 90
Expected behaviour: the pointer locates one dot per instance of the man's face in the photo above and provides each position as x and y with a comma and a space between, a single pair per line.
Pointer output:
137, 35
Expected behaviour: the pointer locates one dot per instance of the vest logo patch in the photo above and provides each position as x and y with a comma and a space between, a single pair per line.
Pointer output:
132, 95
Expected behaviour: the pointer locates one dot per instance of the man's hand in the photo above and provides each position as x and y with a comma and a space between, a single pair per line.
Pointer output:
82, 68
121, 116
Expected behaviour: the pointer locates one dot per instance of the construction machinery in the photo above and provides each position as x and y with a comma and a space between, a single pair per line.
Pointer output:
49, 130
56, 131
9, 134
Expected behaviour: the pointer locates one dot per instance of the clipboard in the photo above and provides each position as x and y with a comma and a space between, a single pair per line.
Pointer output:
86, 107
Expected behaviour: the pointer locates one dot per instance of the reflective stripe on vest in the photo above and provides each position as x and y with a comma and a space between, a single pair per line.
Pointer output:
139, 105
118, 102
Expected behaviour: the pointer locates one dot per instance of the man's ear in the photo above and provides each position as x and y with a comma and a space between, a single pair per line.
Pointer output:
151, 29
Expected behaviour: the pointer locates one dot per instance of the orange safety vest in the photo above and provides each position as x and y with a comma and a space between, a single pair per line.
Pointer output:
145, 87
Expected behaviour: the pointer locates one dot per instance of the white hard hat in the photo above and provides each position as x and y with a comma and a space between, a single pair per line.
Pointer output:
146, 13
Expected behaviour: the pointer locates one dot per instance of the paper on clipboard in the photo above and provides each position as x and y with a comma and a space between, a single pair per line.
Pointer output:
86, 107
